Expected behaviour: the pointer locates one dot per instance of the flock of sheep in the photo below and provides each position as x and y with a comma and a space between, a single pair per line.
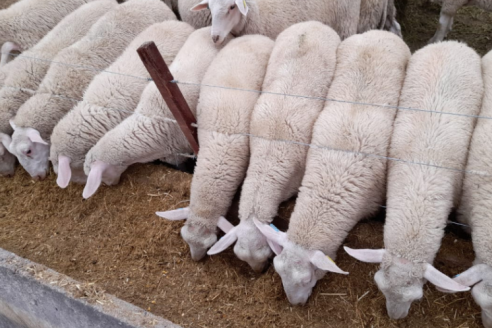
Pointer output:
346, 118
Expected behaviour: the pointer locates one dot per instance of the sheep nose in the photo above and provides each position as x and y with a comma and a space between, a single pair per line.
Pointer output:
215, 38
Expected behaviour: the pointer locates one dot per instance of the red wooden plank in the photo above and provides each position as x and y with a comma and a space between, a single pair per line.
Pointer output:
159, 71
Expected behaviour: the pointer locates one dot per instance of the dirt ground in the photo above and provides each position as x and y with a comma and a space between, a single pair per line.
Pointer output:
115, 240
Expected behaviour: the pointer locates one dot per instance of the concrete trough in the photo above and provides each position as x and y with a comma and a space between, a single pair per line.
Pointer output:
33, 296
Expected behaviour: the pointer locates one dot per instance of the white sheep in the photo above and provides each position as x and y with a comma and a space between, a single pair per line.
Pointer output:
151, 132
302, 63
25, 22
109, 99
271, 17
443, 77
343, 183
65, 83
449, 9
476, 202
223, 117
26, 72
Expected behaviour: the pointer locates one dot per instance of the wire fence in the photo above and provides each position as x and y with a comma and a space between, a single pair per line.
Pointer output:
201, 85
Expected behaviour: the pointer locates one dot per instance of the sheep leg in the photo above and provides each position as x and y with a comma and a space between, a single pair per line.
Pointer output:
7, 48
445, 24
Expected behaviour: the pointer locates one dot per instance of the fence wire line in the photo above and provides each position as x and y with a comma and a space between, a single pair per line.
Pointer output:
275, 140
81, 67
260, 91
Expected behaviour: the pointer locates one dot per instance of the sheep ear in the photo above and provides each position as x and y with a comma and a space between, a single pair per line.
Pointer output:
34, 136
64, 171
440, 280
366, 255
224, 225
6, 140
324, 262
227, 240
242, 6
276, 248
94, 179
473, 275
12, 124
201, 6
276, 236
175, 215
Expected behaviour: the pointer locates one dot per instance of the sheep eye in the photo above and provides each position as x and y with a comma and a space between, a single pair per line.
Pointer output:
28, 152
233, 7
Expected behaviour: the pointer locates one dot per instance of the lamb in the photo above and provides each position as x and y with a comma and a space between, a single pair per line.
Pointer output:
25, 22
64, 84
346, 165
446, 79
271, 17
26, 72
449, 9
475, 206
149, 134
109, 99
302, 63
223, 117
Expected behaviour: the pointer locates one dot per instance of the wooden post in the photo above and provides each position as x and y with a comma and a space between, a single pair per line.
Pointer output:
158, 70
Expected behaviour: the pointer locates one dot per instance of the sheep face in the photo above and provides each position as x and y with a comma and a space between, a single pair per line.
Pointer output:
7, 160
227, 16
401, 280
31, 151
199, 238
400, 287
297, 273
252, 246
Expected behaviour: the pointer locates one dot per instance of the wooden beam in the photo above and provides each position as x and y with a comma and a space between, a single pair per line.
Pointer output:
159, 71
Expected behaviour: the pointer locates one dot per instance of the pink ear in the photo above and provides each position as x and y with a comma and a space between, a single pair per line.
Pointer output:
278, 237
64, 171
440, 280
366, 255
276, 248
94, 179
224, 242
242, 6
12, 124
6, 140
202, 5
323, 262
175, 215
224, 225
34, 136
473, 275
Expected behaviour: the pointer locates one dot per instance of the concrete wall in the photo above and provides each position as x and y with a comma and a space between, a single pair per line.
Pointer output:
33, 296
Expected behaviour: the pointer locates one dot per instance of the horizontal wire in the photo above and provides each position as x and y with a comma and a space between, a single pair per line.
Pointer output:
332, 100
81, 67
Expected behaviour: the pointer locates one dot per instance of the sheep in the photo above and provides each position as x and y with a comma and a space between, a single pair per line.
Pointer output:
446, 79
25, 22
109, 99
271, 17
475, 206
223, 117
302, 63
449, 9
148, 134
64, 84
342, 183
27, 71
